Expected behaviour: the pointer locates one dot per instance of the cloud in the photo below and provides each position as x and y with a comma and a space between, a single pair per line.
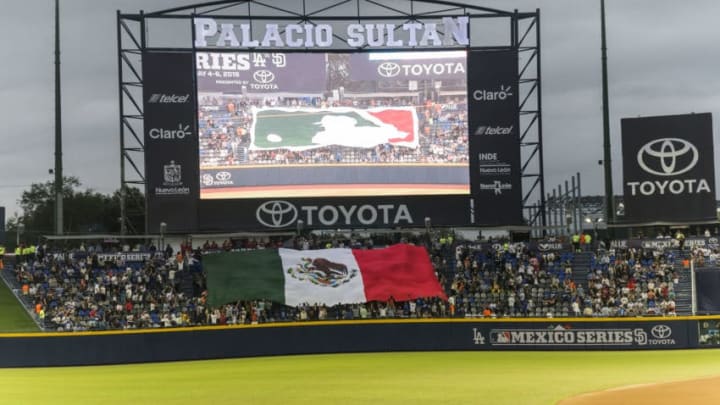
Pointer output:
661, 61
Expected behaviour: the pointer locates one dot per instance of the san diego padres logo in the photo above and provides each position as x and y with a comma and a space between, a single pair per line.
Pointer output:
322, 272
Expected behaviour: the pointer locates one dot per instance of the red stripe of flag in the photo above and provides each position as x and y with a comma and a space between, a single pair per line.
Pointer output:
403, 272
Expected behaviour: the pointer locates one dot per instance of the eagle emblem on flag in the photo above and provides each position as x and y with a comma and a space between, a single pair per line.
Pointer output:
322, 272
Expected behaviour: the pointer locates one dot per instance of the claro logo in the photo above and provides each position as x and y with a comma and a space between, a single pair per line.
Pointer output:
501, 94
182, 132
667, 157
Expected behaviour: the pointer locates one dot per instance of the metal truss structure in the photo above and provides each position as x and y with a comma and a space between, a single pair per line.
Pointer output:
171, 29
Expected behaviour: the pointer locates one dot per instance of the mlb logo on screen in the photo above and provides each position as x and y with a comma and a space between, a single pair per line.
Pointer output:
172, 173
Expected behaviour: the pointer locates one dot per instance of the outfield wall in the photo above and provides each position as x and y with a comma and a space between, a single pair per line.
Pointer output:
91, 348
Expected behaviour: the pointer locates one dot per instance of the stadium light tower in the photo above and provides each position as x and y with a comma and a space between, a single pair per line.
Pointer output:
607, 165
58, 130
18, 233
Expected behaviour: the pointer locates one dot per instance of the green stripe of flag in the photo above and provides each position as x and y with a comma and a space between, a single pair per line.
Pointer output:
252, 275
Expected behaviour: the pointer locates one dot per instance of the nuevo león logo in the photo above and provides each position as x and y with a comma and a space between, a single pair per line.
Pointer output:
172, 181
172, 174
497, 187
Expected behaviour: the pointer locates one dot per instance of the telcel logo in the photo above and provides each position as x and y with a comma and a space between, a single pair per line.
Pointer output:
158, 98
490, 130
181, 132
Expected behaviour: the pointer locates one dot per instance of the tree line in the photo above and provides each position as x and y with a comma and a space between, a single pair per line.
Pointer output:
84, 211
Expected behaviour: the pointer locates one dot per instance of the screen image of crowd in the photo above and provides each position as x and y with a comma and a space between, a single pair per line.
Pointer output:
225, 121
71, 290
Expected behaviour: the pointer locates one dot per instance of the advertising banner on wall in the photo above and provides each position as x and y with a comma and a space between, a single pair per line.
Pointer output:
707, 284
261, 72
494, 142
668, 169
386, 66
171, 142
585, 336
333, 213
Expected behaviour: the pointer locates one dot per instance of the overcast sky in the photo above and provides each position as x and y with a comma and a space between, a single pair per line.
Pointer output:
663, 55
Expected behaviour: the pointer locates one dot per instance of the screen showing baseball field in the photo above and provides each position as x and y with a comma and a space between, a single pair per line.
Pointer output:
332, 124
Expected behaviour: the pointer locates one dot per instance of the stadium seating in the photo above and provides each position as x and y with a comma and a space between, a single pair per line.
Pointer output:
77, 292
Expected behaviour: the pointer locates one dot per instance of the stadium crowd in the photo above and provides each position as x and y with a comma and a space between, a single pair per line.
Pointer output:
225, 125
72, 289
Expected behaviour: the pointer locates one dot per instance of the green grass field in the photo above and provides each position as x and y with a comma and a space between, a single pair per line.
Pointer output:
391, 378
13, 317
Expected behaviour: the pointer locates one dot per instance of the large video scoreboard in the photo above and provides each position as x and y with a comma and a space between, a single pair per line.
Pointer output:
273, 127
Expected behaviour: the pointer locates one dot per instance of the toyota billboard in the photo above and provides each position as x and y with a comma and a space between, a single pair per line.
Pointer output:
668, 167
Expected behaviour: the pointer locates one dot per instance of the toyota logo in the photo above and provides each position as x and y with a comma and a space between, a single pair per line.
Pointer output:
264, 76
276, 214
388, 69
667, 156
661, 331
223, 176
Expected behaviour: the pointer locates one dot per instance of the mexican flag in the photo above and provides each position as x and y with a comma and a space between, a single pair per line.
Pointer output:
325, 276
308, 128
